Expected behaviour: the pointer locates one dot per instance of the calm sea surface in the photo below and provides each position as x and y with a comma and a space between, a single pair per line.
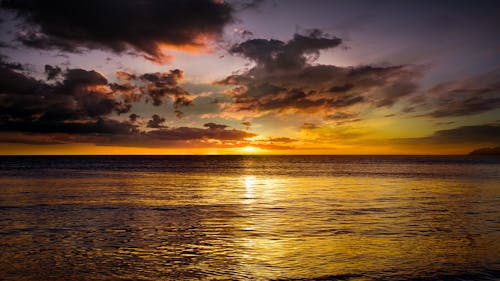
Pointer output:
250, 218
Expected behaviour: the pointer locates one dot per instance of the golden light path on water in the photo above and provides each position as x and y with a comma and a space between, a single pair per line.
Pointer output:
253, 224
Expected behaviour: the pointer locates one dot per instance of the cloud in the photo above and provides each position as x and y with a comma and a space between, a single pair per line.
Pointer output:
156, 86
212, 131
179, 114
134, 117
486, 151
463, 97
273, 55
80, 108
343, 117
48, 139
156, 122
113, 132
247, 124
308, 126
285, 79
81, 95
144, 27
486, 133
214, 126
101, 126
52, 71
247, 4
161, 85
125, 76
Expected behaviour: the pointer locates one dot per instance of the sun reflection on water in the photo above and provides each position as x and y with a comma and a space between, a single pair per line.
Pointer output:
249, 186
247, 226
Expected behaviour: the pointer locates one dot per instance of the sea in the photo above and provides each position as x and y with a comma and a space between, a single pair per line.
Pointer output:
249, 218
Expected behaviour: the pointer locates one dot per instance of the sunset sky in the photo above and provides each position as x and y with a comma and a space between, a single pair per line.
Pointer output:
249, 77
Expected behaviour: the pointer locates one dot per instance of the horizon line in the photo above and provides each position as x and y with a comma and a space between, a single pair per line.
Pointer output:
245, 154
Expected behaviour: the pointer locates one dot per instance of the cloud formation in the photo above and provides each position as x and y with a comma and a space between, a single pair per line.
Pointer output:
52, 71
144, 27
486, 133
284, 78
81, 105
155, 87
486, 151
156, 122
211, 131
81, 95
463, 97
275, 55
160, 85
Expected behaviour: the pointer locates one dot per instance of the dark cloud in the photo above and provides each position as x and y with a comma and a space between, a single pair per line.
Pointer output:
79, 107
179, 114
157, 87
161, 80
81, 95
343, 117
464, 97
247, 124
161, 85
50, 139
100, 126
52, 71
141, 26
28, 139
214, 126
308, 126
10, 65
341, 89
113, 132
80, 77
212, 131
486, 151
284, 78
79, 99
126, 88
247, 4
12, 80
134, 117
156, 122
487, 133
274, 55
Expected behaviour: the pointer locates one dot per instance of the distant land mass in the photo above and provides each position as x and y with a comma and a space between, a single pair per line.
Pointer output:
486, 151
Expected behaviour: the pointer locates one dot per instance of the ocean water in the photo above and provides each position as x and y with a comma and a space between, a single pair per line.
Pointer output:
250, 218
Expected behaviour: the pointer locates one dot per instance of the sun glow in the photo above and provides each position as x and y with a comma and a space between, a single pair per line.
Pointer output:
249, 149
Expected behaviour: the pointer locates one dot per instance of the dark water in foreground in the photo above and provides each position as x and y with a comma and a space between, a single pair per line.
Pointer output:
249, 218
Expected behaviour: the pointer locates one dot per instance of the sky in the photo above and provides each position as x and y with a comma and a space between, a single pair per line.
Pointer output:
249, 77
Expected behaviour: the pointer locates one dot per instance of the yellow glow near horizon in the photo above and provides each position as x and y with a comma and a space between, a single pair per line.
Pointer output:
249, 149
89, 149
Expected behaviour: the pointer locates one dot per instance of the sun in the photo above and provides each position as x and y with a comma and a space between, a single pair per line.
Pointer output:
249, 149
